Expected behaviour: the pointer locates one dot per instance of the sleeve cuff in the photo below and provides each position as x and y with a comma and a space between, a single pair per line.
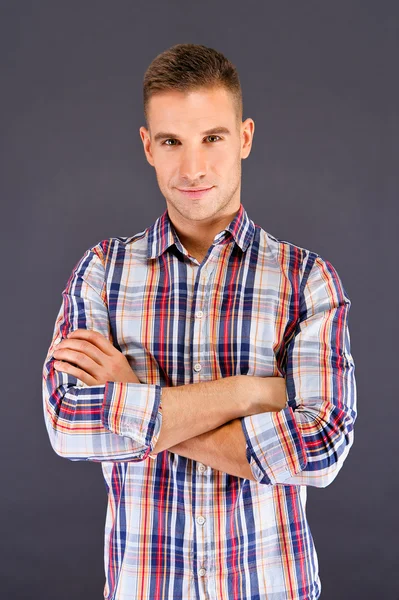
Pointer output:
275, 449
133, 410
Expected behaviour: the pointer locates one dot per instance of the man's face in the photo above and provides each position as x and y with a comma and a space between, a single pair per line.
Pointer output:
187, 151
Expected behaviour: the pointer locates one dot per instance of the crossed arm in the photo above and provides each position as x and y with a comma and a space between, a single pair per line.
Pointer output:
217, 406
209, 429
117, 418
222, 449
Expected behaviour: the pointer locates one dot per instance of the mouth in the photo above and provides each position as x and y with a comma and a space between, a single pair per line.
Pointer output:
195, 192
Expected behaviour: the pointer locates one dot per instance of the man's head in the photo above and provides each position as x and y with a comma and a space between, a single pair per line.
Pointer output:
190, 91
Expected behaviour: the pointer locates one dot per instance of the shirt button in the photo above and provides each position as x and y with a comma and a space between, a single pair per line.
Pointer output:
200, 520
201, 572
197, 367
199, 314
201, 468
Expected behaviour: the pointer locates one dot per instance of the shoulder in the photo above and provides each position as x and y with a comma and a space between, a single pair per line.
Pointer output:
287, 255
299, 263
113, 248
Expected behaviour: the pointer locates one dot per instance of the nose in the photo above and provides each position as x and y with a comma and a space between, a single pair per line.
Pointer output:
192, 165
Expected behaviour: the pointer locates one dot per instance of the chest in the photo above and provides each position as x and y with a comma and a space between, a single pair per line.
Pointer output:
178, 322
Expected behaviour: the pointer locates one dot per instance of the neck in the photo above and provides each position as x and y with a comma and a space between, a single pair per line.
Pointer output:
197, 237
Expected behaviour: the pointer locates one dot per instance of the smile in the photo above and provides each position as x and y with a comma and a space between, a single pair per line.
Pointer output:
195, 193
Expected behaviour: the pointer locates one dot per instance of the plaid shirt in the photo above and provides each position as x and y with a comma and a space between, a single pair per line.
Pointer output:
256, 305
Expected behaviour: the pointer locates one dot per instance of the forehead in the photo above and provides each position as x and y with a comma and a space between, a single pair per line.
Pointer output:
196, 109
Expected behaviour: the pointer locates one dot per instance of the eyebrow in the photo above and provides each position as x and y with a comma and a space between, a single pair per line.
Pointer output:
214, 130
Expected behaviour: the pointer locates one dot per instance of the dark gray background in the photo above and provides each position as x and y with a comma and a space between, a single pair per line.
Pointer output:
320, 81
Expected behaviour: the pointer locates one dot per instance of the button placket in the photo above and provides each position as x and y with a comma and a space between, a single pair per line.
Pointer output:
199, 301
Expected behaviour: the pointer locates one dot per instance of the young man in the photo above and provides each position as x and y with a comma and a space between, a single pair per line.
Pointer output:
213, 348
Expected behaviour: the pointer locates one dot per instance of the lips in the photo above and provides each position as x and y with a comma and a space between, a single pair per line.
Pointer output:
195, 192
198, 189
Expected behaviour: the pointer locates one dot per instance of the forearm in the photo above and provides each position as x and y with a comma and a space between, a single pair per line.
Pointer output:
194, 409
223, 449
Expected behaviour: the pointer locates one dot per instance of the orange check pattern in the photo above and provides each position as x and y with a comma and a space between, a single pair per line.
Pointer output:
256, 305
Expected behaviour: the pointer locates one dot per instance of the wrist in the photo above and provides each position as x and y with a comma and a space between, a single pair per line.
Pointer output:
248, 395
272, 394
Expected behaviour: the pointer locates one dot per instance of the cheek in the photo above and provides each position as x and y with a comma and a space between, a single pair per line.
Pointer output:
222, 164
229, 159
162, 177
164, 170
230, 169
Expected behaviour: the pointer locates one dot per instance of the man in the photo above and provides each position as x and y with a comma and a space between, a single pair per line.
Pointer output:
206, 364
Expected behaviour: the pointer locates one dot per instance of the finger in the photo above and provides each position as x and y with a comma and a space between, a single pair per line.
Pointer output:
66, 367
80, 359
83, 346
95, 337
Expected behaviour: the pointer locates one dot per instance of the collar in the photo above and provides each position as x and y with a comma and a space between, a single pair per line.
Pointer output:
162, 234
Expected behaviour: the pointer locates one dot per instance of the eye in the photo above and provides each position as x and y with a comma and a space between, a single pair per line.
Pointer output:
174, 140
214, 136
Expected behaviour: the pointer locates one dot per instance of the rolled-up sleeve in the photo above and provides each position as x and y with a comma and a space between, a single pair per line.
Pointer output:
114, 421
307, 442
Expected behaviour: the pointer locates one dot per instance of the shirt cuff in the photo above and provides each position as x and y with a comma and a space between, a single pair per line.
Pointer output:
133, 410
275, 449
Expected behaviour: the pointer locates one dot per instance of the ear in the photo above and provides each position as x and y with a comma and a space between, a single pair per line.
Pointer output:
145, 138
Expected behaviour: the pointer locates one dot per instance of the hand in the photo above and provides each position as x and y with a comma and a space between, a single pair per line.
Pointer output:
92, 358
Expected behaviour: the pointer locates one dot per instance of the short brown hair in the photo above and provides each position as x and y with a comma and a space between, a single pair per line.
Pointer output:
187, 67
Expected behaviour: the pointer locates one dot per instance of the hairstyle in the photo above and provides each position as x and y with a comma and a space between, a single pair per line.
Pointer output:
188, 67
